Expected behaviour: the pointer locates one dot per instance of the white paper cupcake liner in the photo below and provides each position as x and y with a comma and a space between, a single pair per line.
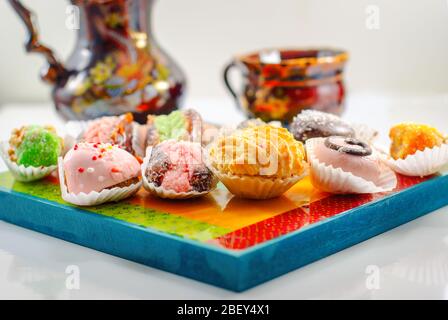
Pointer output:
20, 172
335, 180
94, 198
165, 193
364, 132
421, 164
196, 129
139, 139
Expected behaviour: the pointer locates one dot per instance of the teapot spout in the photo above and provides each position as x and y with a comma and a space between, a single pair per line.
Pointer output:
54, 71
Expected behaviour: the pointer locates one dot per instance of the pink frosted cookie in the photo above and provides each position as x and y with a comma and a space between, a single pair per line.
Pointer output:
95, 166
347, 165
350, 155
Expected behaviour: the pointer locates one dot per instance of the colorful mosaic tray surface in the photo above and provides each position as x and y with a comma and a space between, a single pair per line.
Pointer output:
219, 219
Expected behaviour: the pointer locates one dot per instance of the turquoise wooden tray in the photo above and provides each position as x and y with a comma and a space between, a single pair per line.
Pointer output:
221, 240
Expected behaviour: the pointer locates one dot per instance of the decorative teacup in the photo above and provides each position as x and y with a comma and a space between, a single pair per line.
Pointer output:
278, 84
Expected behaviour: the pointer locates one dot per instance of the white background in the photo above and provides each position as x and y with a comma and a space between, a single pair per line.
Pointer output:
408, 54
396, 73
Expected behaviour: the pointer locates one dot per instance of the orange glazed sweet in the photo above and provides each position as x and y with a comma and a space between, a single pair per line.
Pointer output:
408, 138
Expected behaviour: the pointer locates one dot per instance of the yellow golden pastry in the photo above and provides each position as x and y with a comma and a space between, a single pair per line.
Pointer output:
259, 151
408, 138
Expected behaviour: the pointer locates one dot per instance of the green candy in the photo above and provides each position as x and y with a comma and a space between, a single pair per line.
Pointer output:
39, 147
170, 126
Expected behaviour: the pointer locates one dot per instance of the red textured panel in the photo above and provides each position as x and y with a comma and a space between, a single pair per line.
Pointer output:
335, 204
406, 182
265, 230
295, 219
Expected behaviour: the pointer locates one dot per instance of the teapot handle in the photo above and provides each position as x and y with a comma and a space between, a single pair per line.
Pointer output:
55, 70
228, 67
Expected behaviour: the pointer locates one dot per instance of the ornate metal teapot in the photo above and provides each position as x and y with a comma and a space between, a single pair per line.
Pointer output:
116, 66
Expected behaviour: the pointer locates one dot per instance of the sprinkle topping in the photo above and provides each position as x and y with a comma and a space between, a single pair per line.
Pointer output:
84, 167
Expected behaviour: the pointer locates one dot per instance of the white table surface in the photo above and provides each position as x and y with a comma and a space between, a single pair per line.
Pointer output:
412, 259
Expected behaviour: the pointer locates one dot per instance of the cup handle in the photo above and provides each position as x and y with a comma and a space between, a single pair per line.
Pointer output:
227, 69
55, 69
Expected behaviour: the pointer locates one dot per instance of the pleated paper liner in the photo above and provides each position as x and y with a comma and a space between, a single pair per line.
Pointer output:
421, 164
94, 197
166, 193
20, 172
139, 139
335, 180
364, 132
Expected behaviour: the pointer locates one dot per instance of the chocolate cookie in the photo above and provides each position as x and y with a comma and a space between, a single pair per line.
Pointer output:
316, 124
350, 146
